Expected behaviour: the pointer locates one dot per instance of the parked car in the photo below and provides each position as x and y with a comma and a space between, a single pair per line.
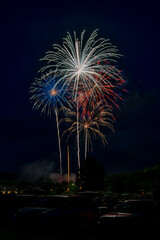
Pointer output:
96, 196
108, 205
133, 212
54, 210
9, 204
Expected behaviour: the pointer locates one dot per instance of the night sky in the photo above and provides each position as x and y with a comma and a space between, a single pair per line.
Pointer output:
28, 30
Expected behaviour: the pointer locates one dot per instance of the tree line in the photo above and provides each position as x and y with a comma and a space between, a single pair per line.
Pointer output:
94, 178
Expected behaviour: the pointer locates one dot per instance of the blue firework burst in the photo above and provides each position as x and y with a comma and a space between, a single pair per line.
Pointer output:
47, 95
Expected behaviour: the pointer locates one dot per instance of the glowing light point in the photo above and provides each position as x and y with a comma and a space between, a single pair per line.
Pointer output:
53, 92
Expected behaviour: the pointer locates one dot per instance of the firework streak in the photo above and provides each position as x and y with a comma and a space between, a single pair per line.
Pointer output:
87, 79
46, 96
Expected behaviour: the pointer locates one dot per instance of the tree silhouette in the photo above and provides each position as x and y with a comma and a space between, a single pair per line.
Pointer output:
92, 174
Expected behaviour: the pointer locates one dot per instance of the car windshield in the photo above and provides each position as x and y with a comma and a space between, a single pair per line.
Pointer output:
49, 202
135, 207
80, 202
64, 202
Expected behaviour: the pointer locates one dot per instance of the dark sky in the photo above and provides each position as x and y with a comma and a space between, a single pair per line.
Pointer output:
28, 30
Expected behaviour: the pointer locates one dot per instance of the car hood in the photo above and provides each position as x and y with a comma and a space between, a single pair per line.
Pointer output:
117, 215
36, 210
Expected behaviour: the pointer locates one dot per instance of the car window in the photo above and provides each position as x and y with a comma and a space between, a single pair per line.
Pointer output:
136, 207
80, 202
50, 202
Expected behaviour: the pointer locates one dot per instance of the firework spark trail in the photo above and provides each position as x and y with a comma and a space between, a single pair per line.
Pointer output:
47, 97
95, 116
110, 93
78, 144
85, 144
76, 65
90, 122
87, 71
59, 141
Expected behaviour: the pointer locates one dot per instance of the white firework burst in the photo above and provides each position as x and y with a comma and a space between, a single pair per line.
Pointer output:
80, 64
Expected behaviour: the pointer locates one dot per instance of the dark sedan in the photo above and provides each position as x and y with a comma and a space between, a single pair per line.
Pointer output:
133, 213
52, 211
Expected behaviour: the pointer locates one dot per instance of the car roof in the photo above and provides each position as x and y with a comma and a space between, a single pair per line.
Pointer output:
139, 200
55, 196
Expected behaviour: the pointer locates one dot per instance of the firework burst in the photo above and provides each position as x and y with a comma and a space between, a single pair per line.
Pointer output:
110, 93
91, 119
47, 97
79, 64
86, 75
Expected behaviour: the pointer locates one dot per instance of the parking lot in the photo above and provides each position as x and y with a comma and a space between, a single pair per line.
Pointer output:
78, 216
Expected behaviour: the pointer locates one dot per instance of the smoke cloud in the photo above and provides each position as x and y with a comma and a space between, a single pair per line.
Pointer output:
43, 169
36, 170
56, 177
